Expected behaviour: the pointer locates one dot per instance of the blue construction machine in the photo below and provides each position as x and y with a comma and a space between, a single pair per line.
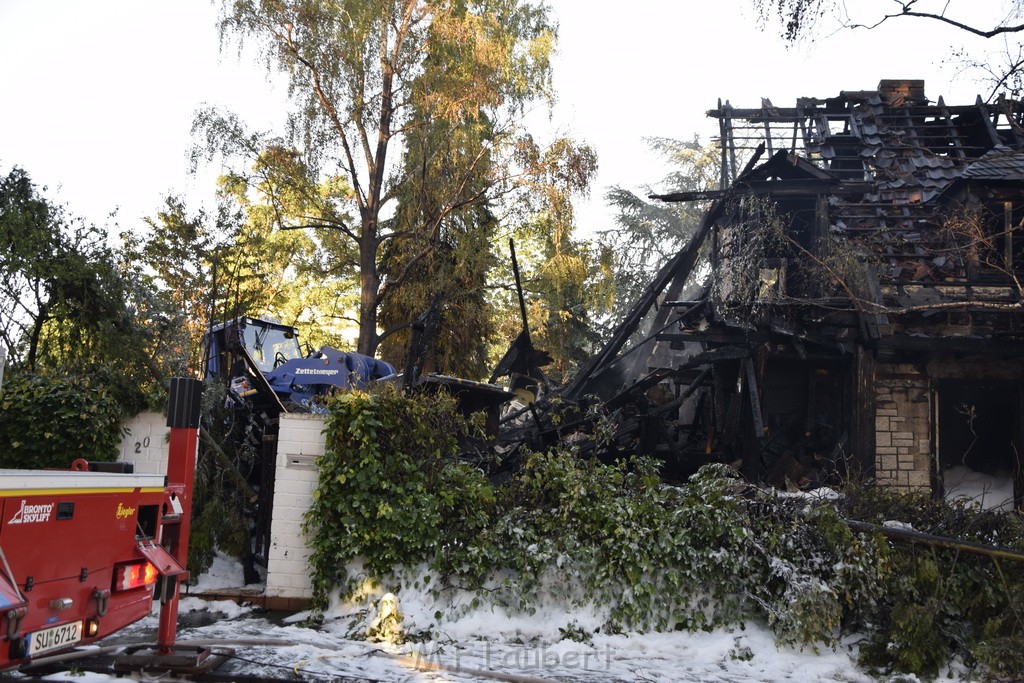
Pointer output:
266, 372
265, 366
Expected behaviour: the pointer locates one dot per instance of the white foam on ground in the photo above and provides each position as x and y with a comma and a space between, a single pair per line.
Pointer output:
988, 492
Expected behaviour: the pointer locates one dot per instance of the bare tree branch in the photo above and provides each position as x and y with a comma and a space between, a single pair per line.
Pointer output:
906, 10
331, 110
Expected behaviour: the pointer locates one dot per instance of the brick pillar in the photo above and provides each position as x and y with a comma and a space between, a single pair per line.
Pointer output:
903, 414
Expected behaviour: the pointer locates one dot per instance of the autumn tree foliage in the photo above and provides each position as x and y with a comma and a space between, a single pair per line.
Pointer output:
400, 158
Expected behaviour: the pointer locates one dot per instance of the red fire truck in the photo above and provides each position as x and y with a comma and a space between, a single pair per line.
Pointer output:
83, 552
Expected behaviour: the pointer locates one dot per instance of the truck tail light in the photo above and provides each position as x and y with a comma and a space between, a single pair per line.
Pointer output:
134, 575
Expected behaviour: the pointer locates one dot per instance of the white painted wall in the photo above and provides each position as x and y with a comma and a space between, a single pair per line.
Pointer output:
300, 442
146, 443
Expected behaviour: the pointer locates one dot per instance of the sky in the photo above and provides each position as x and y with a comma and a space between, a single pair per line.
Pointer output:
98, 97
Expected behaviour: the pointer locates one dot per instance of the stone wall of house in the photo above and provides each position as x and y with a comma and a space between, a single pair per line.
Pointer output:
903, 412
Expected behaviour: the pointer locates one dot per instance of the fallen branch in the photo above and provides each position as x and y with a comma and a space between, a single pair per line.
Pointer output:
225, 462
910, 536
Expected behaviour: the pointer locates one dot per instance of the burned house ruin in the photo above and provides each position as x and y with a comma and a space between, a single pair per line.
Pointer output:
860, 310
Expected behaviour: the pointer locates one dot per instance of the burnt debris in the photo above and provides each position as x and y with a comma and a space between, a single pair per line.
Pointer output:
858, 308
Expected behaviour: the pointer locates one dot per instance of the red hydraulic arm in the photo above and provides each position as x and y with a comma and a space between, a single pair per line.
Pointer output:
183, 409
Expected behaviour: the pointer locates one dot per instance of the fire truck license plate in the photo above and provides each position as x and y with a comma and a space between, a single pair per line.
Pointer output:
54, 638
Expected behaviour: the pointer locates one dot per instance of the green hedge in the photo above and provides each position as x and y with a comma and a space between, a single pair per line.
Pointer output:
389, 491
713, 552
51, 421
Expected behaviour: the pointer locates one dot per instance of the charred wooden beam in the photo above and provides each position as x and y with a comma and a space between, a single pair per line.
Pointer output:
911, 536
735, 338
717, 355
746, 338
755, 398
988, 345
654, 378
873, 322
812, 107
696, 384
642, 385
731, 433
683, 304
782, 188
679, 266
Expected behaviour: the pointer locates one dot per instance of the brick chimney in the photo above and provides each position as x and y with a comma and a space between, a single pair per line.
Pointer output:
899, 92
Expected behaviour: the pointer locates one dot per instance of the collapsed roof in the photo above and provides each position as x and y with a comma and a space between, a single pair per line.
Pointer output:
873, 221
884, 173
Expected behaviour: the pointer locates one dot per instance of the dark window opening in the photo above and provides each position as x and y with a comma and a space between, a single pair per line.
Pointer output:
974, 133
147, 521
804, 412
784, 265
976, 442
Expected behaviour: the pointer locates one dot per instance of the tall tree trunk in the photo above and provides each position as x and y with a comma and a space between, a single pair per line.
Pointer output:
369, 240
369, 287
37, 330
